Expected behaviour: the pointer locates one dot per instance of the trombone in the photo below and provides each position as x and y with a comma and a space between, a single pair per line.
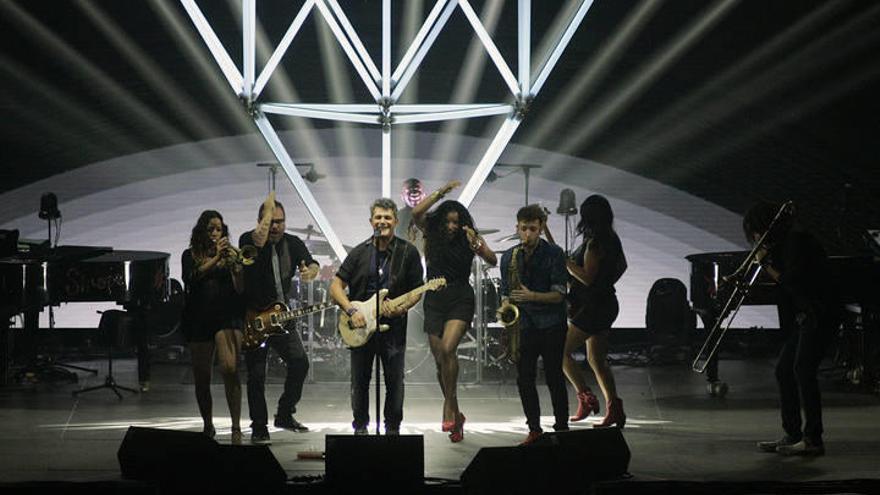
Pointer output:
743, 278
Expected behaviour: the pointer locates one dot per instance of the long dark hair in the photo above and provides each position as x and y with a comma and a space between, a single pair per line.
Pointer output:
435, 226
200, 243
597, 219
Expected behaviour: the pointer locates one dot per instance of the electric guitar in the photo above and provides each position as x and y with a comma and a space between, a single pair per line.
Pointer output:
262, 324
356, 337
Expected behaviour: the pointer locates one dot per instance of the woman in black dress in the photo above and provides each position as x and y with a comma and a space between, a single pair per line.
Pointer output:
213, 315
595, 267
451, 241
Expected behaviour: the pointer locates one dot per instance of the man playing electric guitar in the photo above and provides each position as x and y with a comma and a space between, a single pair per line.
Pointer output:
267, 281
399, 269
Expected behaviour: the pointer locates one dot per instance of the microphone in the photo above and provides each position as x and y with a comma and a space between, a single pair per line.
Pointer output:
377, 231
567, 204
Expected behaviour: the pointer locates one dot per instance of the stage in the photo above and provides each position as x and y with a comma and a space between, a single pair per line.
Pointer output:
674, 430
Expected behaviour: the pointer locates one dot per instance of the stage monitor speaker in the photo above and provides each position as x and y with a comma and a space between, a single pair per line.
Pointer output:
566, 462
375, 462
185, 459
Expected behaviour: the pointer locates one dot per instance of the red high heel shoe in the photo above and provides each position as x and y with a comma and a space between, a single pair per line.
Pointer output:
587, 402
614, 415
457, 434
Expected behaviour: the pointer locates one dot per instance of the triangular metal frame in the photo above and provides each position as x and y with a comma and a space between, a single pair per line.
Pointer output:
383, 84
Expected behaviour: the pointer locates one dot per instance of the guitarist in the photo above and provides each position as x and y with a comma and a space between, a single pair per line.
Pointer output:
400, 271
268, 280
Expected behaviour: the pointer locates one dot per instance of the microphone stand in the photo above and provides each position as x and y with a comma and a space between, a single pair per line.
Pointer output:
376, 234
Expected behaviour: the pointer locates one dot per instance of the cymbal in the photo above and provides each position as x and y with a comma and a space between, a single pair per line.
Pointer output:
320, 247
309, 230
487, 231
511, 237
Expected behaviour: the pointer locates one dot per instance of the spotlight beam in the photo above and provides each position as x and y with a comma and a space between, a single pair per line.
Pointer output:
413, 65
349, 50
299, 183
282, 47
355, 40
221, 56
559, 47
491, 49
595, 122
419, 39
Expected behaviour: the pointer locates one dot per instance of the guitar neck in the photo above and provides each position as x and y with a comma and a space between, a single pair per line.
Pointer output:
296, 313
415, 292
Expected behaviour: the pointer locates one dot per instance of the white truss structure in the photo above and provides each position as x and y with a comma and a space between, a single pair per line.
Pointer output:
384, 84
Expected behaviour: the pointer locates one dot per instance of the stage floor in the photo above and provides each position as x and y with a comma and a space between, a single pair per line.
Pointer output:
674, 429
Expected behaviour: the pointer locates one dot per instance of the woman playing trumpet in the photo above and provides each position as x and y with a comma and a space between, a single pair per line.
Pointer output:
213, 315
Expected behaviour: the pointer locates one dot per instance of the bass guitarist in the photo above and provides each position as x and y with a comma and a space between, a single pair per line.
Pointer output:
398, 266
268, 280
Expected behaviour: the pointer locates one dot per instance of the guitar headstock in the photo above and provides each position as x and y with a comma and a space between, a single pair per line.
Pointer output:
436, 283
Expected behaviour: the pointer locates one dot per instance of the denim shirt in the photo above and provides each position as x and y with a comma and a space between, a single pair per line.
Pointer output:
545, 272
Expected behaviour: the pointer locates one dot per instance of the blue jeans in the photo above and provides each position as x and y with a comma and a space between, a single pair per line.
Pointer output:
362, 358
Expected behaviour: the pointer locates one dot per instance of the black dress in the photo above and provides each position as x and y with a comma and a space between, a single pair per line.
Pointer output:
212, 303
594, 308
452, 260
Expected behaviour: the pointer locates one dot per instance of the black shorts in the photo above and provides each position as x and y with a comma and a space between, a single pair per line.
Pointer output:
454, 302
596, 314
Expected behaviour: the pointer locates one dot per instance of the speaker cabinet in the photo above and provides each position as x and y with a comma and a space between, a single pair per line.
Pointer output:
565, 461
375, 462
190, 459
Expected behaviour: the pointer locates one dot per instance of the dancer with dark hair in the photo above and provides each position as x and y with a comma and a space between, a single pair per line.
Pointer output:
595, 267
809, 312
213, 316
533, 278
451, 242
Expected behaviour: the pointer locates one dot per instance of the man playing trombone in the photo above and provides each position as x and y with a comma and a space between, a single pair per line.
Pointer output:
809, 312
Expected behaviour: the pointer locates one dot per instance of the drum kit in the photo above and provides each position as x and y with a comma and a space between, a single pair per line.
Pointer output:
482, 346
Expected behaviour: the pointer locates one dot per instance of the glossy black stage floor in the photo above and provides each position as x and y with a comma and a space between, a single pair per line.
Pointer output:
675, 431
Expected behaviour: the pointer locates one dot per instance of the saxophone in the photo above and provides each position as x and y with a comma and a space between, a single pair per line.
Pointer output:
508, 315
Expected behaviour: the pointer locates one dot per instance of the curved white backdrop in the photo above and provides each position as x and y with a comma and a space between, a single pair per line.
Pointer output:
150, 201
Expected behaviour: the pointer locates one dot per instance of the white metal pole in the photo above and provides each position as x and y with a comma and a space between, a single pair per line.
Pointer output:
299, 184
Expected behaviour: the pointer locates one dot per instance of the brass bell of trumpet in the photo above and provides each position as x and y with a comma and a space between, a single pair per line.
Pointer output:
244, 256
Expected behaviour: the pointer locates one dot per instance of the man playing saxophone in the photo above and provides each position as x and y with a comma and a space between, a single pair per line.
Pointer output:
538, 290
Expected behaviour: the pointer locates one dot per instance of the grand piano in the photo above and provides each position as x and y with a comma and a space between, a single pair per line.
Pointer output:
857, 279
36, 276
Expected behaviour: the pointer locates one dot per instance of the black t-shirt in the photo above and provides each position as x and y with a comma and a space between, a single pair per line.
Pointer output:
259, 278
404, 269
806, 283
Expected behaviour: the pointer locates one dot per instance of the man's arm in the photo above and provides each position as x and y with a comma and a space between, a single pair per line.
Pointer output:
424, 205
558, 280
338, 294
261, 233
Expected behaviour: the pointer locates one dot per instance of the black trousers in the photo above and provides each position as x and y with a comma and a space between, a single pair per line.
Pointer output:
796, 372
393, 358
549, 345
289, 348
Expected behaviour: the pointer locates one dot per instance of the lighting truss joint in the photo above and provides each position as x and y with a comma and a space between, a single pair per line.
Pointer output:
522, 105
250, 106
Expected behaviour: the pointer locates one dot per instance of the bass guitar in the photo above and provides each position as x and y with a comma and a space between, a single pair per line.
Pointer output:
356, 337
262, 324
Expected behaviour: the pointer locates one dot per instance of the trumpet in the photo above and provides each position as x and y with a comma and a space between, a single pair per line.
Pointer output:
244, 256
742, 280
